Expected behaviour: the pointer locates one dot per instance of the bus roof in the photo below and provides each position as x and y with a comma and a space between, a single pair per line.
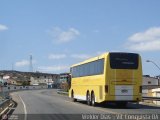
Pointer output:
92, 59
96, 58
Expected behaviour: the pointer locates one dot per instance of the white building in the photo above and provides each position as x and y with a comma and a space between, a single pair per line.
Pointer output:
150, 81
151, 88
43, 79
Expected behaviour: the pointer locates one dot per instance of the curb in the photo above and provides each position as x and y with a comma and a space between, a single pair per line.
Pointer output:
62, 92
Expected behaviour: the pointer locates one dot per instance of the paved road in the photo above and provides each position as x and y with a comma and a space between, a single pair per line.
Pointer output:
42, 104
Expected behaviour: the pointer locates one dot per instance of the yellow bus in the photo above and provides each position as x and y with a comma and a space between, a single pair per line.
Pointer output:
110, 77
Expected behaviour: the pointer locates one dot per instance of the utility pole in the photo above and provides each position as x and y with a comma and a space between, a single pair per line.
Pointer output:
30, 64
12, 66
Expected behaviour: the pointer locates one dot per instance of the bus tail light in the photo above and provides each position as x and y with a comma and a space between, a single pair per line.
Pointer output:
140, 89
106, 88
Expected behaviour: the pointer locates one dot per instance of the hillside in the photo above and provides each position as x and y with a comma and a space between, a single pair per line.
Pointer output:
25, 76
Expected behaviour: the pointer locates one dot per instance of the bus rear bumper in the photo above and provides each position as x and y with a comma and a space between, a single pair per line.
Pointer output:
123, 98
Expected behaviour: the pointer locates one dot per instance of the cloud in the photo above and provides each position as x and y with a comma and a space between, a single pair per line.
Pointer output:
3, 27
80, 56
148, 40
56, 56
53, 68
62, 56
61, 36
22, 63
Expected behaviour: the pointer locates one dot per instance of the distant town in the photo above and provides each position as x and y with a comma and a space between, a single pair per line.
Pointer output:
17, 78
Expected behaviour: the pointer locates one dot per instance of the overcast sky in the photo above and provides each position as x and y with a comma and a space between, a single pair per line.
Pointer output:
59, 33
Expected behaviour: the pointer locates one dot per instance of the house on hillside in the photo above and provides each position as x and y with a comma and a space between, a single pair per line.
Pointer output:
10, 80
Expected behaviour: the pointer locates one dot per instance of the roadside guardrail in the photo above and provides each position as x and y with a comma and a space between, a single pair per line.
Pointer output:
4, 106
151, 98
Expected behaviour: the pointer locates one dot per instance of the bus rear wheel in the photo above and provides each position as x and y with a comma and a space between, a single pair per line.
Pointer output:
93, 99
88, 99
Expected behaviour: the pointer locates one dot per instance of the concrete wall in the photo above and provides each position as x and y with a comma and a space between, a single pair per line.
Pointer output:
157, 94
145, 93
15, 88
153, 93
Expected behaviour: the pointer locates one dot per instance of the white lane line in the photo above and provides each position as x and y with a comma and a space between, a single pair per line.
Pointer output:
25, 110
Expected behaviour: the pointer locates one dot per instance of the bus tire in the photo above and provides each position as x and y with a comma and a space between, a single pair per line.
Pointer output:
88, 97
93, 103
72, 97
121, 103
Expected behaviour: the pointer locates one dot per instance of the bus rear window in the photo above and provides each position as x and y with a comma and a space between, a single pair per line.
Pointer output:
123, 60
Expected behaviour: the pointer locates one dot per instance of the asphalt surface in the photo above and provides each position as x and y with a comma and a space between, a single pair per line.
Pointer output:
48, 105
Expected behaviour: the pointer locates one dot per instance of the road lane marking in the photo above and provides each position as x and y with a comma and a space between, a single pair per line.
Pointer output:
25, 110
100, 109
